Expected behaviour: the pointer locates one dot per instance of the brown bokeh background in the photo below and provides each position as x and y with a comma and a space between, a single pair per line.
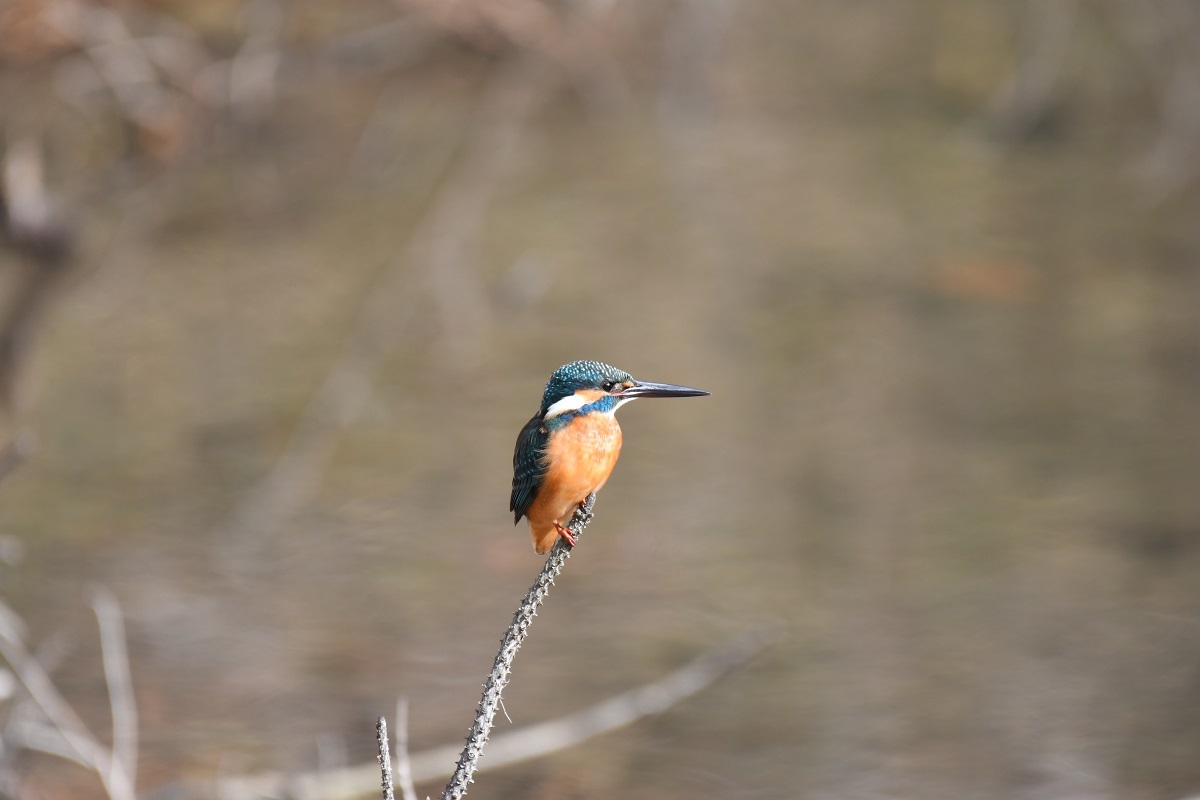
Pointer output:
938, 263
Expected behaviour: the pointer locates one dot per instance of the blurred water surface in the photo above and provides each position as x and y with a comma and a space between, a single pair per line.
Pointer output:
953, 442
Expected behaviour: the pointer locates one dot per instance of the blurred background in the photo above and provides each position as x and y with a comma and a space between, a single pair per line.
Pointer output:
281, 281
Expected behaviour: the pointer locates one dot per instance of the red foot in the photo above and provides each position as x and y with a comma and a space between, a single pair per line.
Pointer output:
567, 536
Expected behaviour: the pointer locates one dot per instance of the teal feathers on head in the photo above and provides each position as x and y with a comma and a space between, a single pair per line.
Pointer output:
570, 378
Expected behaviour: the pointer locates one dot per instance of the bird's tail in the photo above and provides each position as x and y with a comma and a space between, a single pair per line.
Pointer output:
543, 538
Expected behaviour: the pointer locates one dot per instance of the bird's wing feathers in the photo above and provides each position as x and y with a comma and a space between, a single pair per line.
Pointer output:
529, 467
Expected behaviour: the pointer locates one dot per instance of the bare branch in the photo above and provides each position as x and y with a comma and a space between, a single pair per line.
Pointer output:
115, 655
385, 758
79, 744
33, 224
617, 712
505, 749
29, 672
468, 762
120, 59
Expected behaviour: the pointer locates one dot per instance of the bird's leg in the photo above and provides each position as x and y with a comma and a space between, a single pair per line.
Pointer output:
564, 533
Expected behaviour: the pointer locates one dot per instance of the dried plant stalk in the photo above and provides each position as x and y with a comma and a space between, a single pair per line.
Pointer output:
502, 667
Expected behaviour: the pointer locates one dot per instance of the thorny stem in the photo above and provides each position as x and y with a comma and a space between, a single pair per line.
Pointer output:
385, 759
493, 687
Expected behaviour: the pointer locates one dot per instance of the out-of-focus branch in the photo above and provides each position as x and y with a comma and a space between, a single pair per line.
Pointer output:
505, 749
1028, 99
66, 735
120, 686
127, 66
436, 257
70, 728
30, 222
1172, 162
254, 70
1162, 36
34, 227
624, 709
403, 758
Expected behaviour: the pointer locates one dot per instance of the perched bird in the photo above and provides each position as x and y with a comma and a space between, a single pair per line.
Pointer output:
569, 448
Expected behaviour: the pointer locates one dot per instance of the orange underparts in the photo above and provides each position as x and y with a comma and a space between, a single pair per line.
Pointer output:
579, 458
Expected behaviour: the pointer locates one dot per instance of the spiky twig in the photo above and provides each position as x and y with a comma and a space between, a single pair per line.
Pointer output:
502, 667
385, 759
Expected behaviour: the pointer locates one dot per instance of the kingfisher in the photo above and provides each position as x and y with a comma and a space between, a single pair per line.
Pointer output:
570, 446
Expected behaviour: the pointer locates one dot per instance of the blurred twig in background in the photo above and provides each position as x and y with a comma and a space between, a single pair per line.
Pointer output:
938, 440
535, 741
432, 256
34, 227
1163, 37
150, 77
115, 657
1028, 100
437, 258
57, 729
404, 774
1168, 32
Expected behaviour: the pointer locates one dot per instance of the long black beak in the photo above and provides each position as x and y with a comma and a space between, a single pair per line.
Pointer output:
648, 389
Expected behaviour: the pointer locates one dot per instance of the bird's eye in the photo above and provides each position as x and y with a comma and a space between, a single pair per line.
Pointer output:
607, 386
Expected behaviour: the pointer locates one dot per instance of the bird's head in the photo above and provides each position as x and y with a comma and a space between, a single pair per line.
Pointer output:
594, 385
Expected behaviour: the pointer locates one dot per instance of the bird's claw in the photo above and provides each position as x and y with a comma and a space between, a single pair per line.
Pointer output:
567, 536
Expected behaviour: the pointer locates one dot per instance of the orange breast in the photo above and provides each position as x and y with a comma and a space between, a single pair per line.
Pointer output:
580, 457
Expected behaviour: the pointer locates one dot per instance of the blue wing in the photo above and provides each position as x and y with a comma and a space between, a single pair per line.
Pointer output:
529, 466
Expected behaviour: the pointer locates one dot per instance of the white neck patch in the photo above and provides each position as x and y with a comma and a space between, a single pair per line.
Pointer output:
574, 402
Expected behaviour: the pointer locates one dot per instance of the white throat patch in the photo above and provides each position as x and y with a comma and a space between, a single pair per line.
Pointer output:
574, 402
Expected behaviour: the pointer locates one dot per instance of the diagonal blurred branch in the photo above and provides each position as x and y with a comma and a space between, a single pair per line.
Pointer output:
1027, 101
73, 733
535, 741
1172, 161
436, 256
33, 226
126, 66
67, 736
403, 758
436, 245
545, 738
120, 685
